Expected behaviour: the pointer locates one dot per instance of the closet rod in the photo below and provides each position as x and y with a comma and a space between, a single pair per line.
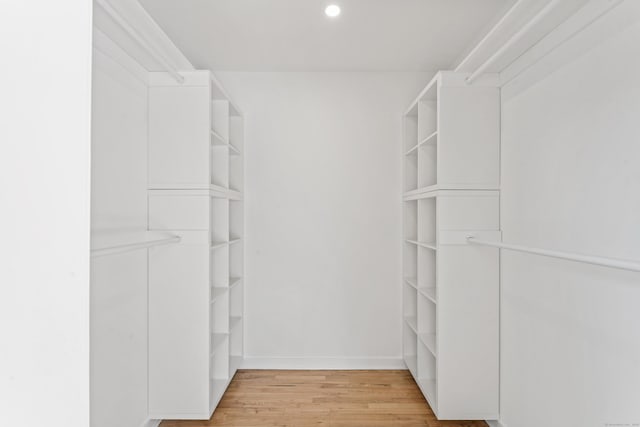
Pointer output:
513, 40
116, 249
113, 13
595, 260
490, 34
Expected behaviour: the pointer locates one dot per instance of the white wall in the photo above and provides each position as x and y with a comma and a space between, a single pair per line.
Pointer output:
119, 203
571, 181
323, 181
45, 95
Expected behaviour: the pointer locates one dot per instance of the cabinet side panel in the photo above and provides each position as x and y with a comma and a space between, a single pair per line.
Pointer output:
469, 136
468, 331
178, 330
179, 137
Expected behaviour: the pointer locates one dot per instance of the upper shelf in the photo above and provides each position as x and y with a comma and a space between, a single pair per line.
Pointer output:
431, 139
113, 242
429, 93
218, 92
218, 141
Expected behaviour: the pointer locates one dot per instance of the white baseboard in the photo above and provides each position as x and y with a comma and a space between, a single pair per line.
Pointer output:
322, 363
151, 423
495, 423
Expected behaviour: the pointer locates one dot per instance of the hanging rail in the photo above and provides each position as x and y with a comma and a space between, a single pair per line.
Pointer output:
490, 34
595, 260
158, 56
132, 246
513, 40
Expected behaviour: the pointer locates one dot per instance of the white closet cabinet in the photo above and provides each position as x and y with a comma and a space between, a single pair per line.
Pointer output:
450, 289
195, 287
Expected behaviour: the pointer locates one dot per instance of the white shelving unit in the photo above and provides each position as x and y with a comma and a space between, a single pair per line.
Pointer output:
450, 289
196, 295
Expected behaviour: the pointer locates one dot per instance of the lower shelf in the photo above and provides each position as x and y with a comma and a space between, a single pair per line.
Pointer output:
428, 388
234, 364
411, 360
429, 341
233, 322
217, 389
216, 340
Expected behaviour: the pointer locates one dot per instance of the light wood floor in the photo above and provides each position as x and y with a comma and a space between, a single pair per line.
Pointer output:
323, 398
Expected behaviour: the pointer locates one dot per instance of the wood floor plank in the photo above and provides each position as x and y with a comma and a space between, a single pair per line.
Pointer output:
323, 399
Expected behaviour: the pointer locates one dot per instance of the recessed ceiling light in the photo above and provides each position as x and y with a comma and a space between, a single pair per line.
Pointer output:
332, 10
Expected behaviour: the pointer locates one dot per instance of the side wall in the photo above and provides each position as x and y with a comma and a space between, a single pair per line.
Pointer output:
323, 221
571, 182
45, 101
118, 203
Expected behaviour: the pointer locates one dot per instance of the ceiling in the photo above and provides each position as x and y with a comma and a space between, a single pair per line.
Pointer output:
295, 35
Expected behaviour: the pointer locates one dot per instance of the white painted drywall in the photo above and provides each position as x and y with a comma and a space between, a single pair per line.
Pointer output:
294, 35
45, 101
323, 224
571, 181
119, 203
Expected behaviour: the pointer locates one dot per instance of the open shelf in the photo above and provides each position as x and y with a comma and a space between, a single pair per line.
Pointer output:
195, 180
234, 364
412, 281
234, 321
234, 281
428, 292
412, 363
218, 245
428, 387
412, 322
217, 139
217, 292
429, 341
451, 182
217, 388
431, 139
216, 341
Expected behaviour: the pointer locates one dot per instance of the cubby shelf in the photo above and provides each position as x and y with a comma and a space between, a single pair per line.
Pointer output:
412, 322
234, 321
429, 293
217, 139
234, 281
234, 364
216, 341
196, 180
451, 147
412, 363
217, 292
429, 341
218, 245
431, 139
412, 281
428, 387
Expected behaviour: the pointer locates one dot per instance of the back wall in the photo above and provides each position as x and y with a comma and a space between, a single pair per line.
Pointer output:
323, 225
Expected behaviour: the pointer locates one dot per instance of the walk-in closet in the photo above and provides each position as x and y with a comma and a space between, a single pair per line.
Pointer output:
341, 213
